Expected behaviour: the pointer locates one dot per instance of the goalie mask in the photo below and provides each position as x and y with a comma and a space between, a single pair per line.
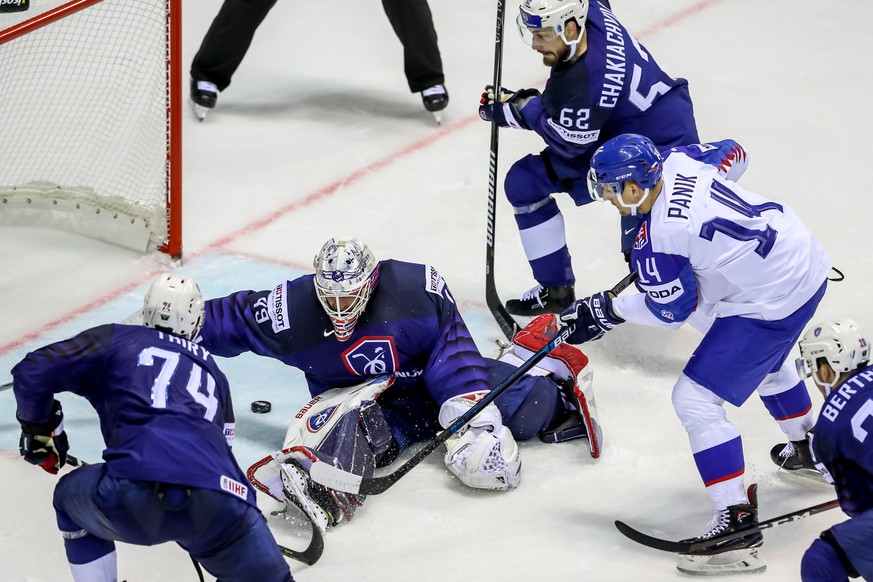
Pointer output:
346, 272
174, 305
842, 343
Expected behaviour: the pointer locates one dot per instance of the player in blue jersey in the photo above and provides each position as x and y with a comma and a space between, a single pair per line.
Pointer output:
389, 362
740, 268
167, 419
836, 354
603, 83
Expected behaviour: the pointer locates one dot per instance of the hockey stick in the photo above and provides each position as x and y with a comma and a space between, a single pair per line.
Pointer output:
336, 478
713, 542
313, 551
507, 324
5, 386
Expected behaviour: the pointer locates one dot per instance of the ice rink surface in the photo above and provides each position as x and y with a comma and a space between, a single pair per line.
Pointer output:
318, 136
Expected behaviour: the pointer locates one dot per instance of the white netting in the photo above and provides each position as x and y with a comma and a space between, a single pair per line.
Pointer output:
83, 104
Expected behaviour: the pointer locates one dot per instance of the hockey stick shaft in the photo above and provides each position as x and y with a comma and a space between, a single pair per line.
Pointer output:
336, 478
5, 386
507, 324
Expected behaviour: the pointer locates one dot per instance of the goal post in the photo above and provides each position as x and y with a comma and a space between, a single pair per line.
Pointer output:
91, 120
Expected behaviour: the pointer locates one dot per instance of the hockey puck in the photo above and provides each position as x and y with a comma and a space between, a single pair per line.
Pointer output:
261, 406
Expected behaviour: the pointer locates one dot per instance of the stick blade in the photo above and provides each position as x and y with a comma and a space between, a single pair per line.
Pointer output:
335, 478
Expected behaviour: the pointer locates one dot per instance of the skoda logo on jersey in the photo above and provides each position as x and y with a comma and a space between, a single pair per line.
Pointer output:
318, 421
371, 356
642, 238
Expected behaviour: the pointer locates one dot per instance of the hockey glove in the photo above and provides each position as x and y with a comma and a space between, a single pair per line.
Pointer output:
45, 444
506, 111
593, 317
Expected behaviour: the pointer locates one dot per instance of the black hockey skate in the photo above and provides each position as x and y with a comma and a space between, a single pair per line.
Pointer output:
732, 518
203, 97
793, 456
435, 99
736, 556
541, 300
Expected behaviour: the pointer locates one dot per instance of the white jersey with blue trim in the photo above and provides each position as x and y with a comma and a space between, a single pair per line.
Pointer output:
711, 246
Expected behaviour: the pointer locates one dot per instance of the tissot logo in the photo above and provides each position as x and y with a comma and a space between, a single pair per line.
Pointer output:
14, 5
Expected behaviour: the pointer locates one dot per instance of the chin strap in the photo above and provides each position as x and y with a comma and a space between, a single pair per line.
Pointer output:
633, 207
570, 43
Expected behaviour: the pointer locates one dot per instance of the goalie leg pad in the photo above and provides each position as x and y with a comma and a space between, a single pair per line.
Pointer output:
484, 460
571, 368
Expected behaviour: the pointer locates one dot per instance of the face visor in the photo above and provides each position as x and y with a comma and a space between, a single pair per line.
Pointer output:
605, 191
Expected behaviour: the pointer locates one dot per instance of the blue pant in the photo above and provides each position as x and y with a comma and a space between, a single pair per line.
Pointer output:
529, 185
229, 537
737, 353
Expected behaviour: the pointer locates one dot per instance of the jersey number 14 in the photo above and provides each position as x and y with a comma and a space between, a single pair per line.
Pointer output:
765, 238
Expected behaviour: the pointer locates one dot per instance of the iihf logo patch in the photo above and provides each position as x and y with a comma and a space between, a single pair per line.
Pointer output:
371, 356
318, 421
642, 238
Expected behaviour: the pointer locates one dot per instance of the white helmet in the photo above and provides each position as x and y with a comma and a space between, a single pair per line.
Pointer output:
540, 14
841, 342
175, 305
346, 272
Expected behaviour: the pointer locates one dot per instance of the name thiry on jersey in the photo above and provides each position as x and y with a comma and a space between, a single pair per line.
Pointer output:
836, 402
195, 349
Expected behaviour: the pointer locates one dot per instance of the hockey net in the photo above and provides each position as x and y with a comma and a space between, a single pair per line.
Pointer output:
90, 111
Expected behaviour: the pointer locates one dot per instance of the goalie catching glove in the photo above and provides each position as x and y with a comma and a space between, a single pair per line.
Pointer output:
484, 454
45, 444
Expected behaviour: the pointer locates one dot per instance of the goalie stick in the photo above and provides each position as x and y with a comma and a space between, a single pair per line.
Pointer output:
710, 544
313, 551
336, 478
507, 324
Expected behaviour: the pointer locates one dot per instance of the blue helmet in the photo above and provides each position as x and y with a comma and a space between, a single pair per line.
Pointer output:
629, 156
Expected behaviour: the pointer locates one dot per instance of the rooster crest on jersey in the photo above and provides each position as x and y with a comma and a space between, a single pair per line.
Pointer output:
346, 273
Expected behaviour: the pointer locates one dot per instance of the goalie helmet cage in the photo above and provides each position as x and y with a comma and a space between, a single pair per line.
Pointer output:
90, 120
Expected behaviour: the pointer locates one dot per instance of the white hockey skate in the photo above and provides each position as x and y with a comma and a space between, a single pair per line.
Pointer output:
295, 484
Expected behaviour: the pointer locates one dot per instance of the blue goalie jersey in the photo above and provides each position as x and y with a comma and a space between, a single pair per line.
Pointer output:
164, 406
411, 327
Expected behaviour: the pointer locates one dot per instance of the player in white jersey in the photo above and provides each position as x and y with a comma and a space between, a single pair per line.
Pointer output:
742, 269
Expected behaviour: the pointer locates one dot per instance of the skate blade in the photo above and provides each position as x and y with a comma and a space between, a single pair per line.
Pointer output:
805, 475
200, 112
438, 117
724, 564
